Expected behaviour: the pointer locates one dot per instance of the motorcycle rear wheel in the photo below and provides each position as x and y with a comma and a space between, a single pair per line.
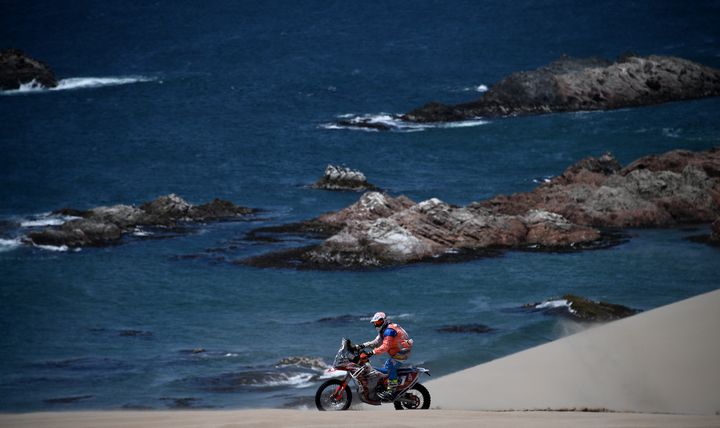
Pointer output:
414, 398
325, 396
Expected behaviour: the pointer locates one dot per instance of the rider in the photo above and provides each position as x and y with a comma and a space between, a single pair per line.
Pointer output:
395, 341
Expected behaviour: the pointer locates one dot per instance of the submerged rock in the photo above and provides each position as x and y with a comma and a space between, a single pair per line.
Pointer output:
17, 69
564, 214
313, 363
466, 328
710, 239
107, 225
582, 309
68, 400
715, 235
342, 178
571, 84
364, 123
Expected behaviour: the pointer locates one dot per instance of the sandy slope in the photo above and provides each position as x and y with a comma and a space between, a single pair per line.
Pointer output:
663, 361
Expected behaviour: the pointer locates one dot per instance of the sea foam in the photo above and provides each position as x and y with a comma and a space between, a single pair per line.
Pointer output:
9, 244
394, 123
47, 219
77, 83
298, 380
58, 248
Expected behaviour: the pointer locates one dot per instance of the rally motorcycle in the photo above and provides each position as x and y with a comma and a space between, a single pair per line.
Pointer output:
335, 394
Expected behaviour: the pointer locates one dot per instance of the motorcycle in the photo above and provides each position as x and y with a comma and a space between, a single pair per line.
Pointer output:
335, 394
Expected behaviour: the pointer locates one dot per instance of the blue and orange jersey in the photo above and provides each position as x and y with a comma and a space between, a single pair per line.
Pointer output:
395, 340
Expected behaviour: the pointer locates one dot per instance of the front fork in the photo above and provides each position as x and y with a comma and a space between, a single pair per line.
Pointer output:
341, 388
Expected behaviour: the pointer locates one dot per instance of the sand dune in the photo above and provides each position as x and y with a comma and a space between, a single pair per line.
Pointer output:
666, 360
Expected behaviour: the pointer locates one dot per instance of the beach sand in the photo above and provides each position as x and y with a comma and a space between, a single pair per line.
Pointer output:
656, 369
309, 418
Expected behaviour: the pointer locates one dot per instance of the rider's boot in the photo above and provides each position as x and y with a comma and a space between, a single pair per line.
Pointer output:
389, 393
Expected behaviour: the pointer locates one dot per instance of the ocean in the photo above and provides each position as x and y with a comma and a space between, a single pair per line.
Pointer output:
235, 100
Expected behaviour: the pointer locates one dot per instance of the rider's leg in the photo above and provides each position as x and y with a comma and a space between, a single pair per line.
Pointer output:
391, 365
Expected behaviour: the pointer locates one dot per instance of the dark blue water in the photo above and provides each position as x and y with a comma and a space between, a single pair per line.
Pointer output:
228, 100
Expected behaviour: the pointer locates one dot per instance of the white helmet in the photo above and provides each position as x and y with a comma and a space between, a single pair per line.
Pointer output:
379, 319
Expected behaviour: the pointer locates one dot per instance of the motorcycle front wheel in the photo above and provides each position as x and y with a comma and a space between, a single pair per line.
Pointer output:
414, 398
326, 397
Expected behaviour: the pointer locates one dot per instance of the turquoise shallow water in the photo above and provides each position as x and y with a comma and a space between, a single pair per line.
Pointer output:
229, 101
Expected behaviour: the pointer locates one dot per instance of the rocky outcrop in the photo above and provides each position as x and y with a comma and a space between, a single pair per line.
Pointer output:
107, 225
380, 230
17, 69
655, 191
342, 178
570, 84
582, 309
567, 213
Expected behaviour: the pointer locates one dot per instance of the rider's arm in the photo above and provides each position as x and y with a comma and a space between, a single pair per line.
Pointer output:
373, 343
389, 337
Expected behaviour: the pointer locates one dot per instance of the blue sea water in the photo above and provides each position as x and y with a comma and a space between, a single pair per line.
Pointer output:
231, 100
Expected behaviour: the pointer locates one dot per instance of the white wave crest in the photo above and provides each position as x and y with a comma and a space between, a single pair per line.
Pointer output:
9, 244
138, 231
47, 219
58, 248
300, 380
392, 122
77, 83
478, 88
545, 179
552, 304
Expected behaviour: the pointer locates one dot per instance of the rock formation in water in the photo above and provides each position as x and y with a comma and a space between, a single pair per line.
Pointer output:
380, 230
655, 191
572, 84
561, 215
583, 309
106, 225
342, 178
17, 69
583, 84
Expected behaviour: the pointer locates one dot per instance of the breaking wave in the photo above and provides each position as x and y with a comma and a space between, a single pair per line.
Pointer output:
47, 219
258, 379
478, 88
553, 305
9, 244
56, 248
393, 122
78, 83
